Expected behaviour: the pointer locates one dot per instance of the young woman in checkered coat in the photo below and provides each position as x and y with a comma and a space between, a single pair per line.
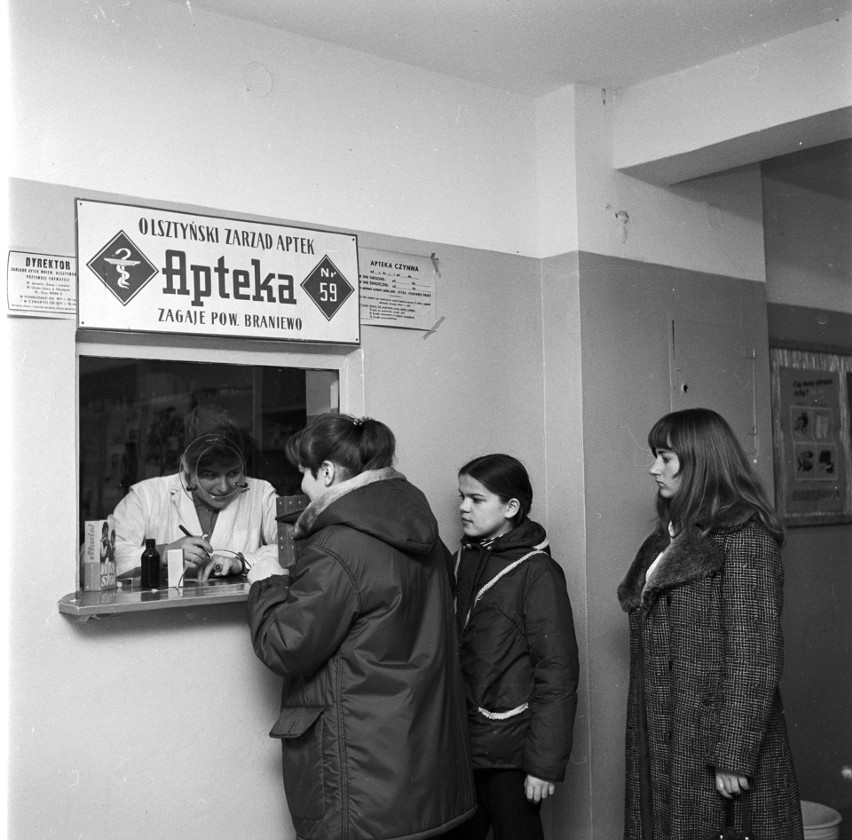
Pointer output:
705, 721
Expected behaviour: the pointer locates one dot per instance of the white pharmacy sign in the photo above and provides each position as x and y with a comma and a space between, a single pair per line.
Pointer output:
152, 270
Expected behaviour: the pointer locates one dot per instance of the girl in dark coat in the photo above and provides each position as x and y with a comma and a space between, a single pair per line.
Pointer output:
372, 722
518, 651
704, 716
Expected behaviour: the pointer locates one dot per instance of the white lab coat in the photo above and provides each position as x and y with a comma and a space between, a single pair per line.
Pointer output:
155, 508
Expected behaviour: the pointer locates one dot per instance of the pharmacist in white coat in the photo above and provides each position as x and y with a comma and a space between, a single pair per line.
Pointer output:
222, 520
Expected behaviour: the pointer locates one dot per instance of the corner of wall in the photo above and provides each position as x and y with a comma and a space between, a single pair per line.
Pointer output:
556, 172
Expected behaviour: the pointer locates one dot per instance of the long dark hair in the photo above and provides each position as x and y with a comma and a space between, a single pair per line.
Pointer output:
718, 486
353, 444
504, 476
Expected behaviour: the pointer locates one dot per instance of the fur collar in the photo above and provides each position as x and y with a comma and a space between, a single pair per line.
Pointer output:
305, 522
687, 557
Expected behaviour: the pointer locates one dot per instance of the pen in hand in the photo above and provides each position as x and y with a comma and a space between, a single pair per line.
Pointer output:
203, 536
188, 534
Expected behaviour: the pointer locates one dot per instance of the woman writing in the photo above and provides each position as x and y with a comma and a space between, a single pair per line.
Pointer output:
705, 722
221, 519
372, 712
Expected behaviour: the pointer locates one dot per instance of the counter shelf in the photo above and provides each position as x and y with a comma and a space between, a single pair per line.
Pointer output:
86, 605
193, 593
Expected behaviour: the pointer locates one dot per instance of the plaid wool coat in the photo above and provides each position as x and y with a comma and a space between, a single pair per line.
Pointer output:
709, 617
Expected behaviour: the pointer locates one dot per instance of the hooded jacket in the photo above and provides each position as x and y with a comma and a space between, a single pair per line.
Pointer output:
518, 652
706, 655
372, 713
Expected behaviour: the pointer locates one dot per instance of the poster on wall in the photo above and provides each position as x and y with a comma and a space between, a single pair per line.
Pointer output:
41, 285
148, 269
398, 290
811, 425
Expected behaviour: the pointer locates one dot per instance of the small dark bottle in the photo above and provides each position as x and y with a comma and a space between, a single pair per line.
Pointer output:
150, 566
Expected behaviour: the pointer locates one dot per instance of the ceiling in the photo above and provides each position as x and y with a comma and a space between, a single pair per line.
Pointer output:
532, 47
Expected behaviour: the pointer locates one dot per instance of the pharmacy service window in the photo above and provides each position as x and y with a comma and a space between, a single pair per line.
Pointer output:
135, 407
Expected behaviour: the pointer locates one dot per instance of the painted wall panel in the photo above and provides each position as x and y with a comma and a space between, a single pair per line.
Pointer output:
809, 286
713, 365
818, 630
111, 720
570, 812
817, 620
626, 313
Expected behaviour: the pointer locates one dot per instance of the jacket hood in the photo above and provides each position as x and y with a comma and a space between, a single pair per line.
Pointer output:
687, 557
381, 503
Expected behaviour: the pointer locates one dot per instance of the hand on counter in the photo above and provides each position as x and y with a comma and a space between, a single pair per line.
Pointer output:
220, 565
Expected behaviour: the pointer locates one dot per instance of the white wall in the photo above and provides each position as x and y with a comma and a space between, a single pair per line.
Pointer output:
557, 172
711, 224
168, 102
164, 100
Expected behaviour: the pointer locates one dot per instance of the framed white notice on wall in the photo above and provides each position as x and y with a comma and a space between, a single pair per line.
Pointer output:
398, 290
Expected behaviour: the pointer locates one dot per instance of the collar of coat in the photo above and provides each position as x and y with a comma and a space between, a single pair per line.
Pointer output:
687, 557
529, 534
305, 522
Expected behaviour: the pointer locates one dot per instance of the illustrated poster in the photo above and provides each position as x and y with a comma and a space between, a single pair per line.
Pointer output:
814, 458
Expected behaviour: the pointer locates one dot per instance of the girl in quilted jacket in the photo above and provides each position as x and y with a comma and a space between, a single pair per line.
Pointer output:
518, 651
705, 722
372, 725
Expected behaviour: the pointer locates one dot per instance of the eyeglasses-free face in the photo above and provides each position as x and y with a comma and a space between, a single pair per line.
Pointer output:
666, 472
218, 482
484, 514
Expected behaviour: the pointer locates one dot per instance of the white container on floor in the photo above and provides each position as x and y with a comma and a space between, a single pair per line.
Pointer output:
820, 821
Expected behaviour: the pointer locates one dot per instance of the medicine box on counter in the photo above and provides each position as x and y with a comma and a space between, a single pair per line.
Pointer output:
98, 562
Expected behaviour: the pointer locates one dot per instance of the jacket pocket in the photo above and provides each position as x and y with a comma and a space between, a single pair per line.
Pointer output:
708, 728
499, 743
300, 730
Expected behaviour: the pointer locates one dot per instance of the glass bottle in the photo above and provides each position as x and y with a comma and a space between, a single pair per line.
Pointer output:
150, 566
